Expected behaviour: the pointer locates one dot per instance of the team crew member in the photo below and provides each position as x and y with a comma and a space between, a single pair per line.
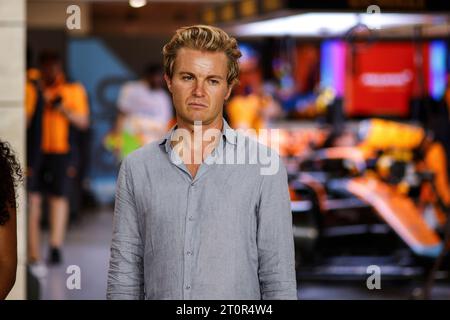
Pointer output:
52, 107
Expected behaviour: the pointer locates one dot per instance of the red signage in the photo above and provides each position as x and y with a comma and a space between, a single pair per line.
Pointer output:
382, 78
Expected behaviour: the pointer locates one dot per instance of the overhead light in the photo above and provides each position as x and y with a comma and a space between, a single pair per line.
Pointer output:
137, 3
329, 24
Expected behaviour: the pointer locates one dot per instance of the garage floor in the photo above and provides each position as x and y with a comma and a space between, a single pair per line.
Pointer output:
87, 246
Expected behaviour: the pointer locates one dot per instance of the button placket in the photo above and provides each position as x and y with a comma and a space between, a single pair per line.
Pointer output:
188, 242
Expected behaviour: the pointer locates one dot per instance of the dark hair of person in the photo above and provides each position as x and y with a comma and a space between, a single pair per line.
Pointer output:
10, 177
153, 69
49, 56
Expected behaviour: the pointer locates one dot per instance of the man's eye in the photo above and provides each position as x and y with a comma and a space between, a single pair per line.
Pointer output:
187, 78
214, 81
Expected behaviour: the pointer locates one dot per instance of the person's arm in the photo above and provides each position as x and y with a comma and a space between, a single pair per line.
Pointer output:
126, 99
8, 254
76, 110
81, 122
30, 101
126, 270
275, 239
113, 140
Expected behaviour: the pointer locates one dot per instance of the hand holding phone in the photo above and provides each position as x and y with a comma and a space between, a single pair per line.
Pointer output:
56, 102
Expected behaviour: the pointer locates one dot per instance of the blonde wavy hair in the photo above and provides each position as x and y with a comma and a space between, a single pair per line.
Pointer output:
203, 38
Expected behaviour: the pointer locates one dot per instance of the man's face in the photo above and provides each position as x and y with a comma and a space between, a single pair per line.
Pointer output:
50, 71
199, 85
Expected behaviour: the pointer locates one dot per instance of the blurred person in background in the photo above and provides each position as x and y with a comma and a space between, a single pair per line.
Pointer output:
145, 112
439, 122
54, 108
255, 109
10, 176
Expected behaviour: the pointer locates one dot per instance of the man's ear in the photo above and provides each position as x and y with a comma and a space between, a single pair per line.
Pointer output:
168, 82
230, 88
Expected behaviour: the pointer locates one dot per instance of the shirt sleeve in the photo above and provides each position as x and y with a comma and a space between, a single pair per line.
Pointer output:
126, 271
275, 239
78, 100
30, 99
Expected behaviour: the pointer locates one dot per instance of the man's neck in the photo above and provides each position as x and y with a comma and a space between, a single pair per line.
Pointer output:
201, 141
214, 124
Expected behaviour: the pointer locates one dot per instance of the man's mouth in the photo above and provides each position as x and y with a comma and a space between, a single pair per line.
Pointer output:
198, 105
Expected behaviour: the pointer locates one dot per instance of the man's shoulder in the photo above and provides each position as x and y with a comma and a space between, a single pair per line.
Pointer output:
255, 152
148, 153
74, 86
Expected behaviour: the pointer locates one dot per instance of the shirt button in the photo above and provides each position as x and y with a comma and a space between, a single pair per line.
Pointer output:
188, 287
191, 218
189, 253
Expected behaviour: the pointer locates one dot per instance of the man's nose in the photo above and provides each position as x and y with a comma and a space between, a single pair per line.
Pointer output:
199, 90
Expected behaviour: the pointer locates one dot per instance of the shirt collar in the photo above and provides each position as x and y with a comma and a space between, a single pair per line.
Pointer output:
227, 132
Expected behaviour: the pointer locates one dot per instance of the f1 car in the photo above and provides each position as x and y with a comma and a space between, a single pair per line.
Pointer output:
383, 201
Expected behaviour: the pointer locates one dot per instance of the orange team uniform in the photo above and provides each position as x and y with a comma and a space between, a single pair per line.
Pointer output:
245, 112
55, 126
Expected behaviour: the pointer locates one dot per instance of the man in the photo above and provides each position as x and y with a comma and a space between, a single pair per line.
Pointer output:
201, 229
145, 111
145, 105
52, 107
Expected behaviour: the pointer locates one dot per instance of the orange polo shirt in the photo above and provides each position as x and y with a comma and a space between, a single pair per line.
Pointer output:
55, 126
244, 112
